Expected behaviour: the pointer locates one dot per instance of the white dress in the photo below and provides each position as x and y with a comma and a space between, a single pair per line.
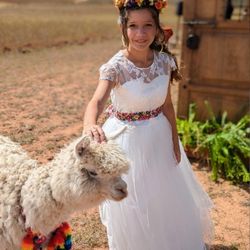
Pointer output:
166, 208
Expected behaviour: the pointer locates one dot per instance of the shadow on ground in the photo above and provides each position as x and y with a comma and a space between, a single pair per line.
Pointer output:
222, 247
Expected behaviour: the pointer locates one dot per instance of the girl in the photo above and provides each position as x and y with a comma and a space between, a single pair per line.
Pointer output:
166, 208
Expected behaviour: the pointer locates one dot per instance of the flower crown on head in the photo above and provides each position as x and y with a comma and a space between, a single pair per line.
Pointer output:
136, 4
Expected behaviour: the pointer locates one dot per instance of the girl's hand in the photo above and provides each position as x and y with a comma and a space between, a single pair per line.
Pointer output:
96, 132
177, 152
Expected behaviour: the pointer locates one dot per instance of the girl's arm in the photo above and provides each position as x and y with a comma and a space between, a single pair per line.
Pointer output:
95, 108
168, 111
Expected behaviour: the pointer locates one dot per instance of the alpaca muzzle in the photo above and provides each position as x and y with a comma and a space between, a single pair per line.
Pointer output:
119, 190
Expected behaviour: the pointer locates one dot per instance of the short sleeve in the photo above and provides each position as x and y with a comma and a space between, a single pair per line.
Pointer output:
108, 72
168, 63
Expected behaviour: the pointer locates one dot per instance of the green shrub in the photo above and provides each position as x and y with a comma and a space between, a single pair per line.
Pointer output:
190, 130
226, 144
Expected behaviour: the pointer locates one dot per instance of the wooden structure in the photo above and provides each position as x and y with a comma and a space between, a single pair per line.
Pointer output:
215, 57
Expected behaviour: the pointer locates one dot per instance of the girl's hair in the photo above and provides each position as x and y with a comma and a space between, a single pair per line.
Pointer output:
159, 43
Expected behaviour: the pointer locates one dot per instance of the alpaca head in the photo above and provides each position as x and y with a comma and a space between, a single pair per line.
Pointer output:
92, 173
103, 164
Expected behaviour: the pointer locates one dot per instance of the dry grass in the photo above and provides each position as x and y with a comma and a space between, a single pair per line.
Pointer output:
88, 232
45, 25
35, 25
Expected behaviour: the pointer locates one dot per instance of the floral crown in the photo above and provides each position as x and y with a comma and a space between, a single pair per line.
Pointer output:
136, 4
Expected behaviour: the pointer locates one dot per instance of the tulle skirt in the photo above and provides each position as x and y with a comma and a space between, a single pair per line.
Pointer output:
166, 208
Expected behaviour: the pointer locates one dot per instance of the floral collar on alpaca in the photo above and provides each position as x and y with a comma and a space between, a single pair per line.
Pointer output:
135, 4
60, 239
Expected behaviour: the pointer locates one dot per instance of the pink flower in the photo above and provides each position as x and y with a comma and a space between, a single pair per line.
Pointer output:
158, 5
168, 32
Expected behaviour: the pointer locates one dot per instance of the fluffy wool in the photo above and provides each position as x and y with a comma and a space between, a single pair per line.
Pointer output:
82, 175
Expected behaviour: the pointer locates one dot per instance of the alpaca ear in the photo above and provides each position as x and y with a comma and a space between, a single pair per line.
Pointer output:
82, 145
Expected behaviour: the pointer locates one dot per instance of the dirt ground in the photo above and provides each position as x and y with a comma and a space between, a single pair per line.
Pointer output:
43, 95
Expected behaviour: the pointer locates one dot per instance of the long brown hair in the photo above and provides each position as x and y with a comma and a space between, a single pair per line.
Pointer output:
159, 43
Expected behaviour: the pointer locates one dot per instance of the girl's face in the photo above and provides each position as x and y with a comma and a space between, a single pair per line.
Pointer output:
141, 29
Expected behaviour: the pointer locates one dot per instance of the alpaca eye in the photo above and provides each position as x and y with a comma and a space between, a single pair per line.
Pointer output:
92, 173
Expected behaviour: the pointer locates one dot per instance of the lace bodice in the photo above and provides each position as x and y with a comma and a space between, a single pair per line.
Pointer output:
138, 89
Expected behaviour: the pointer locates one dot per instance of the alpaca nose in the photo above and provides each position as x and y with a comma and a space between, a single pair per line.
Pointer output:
120, 190
122, 187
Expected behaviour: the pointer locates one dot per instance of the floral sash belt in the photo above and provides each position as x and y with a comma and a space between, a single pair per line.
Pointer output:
137, 116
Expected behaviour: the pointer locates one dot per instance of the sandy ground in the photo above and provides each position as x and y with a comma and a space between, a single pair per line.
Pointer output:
43, 95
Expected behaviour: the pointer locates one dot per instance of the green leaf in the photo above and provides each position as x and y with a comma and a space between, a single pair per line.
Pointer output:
227, 143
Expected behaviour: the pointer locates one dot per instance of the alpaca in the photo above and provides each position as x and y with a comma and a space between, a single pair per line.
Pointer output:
40, 197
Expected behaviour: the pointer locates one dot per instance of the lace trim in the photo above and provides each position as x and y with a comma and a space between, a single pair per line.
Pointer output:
120, 69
